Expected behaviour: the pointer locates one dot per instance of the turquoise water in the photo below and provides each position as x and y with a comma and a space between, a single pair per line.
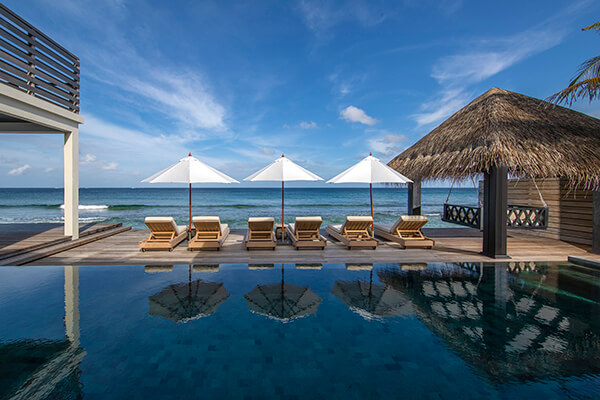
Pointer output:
233, 205
437, 331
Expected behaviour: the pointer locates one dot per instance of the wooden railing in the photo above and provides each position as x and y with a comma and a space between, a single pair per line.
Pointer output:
462, 215
35, 64
527, 217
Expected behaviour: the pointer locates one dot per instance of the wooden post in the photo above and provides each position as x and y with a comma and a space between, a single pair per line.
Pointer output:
71, 183
596, 223
494, 212
414, 198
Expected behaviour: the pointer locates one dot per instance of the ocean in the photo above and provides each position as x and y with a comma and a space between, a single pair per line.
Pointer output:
233, 205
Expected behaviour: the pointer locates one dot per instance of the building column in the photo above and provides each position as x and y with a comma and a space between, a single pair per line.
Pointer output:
596, 226
414, 198
495, 199
71, 185
72, 304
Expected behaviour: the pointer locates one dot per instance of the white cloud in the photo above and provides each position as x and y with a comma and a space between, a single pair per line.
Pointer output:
308, 125
388, 144
183, 96
49, 169
322, 15
109, 166
266, 151
442, 106
484, 59
355, 114
88, 159
19, 171
494, 56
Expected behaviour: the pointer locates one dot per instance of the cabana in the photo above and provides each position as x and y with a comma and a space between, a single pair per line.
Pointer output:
503, 133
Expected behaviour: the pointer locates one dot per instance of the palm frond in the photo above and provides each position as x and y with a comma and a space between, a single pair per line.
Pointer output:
595, 26
589, 88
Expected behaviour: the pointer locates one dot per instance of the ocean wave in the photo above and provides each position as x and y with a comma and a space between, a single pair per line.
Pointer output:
89, 207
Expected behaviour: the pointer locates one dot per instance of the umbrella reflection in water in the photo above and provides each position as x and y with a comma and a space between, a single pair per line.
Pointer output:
371, 301
185, 302
283, 301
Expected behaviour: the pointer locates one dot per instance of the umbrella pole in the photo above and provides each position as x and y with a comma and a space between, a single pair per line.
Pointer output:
282, 213
373, 223
190, 223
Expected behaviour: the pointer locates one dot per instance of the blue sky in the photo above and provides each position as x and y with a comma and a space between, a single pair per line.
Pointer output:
237, 83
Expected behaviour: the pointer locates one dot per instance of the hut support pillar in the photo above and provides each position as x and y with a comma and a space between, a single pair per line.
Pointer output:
414, 198
495, 199
596, 226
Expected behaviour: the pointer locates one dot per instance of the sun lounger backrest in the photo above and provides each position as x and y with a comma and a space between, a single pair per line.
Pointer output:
260, 228
161, 224
410, 223
357, 226
307, 226
208, 226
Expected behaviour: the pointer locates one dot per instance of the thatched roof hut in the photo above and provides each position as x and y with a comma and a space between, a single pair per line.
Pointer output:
531, 137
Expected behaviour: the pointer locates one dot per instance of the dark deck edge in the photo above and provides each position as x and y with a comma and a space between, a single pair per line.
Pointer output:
584, 261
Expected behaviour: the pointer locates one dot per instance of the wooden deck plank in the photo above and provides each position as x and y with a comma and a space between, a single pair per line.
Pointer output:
16, 238
452, 245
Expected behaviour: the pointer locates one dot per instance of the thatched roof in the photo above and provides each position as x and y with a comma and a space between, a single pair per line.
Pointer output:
532, 137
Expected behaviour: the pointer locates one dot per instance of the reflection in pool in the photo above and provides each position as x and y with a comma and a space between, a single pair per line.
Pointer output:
349, 331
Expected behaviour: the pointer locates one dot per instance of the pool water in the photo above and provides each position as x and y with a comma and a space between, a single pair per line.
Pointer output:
347, 331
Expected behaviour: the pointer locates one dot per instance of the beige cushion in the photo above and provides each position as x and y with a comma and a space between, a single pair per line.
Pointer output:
261, 219
206, 219
403, 218
160, 219
386, 228
176, 228
360, 218
355, 218
211, 219
309, 219
336, 227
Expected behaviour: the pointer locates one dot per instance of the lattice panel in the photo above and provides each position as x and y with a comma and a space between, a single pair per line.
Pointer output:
462, 215
527, 217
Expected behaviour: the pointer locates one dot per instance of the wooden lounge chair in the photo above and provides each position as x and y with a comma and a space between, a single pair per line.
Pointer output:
164, 234
260, 234
406, 231
210, 234
304, 233
354, 232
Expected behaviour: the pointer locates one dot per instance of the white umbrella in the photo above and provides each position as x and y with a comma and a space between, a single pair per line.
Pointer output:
282, 170
189, 170
370, 170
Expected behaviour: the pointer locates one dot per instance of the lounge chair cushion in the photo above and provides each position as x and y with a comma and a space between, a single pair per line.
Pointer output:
336, 227
403, 218
301, 220
178, 229
261, 219
211, 219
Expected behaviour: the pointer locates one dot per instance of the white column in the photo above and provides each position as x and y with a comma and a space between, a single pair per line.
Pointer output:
71, 170
72, 304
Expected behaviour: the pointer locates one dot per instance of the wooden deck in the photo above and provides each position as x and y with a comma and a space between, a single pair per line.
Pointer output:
452, 245
20, 238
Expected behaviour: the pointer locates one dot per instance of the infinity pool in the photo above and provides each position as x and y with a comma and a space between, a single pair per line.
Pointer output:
346, 331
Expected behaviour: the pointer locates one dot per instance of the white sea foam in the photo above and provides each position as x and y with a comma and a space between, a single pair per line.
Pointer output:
89, 207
